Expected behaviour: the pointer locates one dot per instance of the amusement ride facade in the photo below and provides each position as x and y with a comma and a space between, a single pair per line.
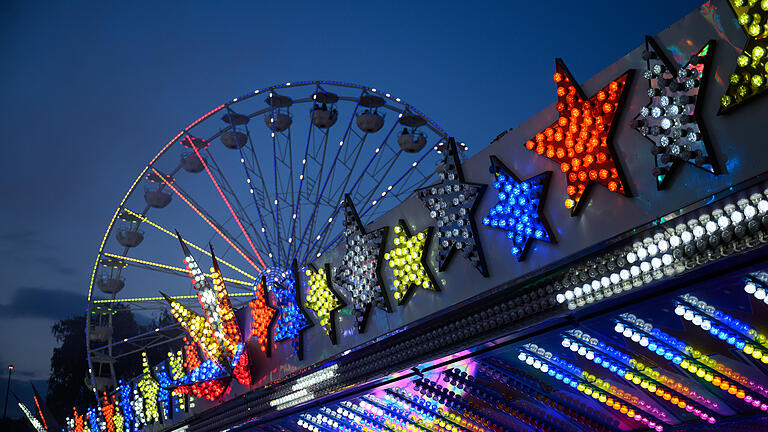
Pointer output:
343, 267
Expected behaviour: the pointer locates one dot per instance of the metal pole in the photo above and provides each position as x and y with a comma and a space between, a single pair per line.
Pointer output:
7, 390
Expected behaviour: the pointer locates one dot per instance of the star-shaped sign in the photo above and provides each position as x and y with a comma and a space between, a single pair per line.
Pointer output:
408, 260
359, 274
579, 139
452, 203
263, 316
750, 77
518, 211
672, 119
323, 300
292, 320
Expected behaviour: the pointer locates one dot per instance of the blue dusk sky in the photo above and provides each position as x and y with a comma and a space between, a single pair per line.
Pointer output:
91, 90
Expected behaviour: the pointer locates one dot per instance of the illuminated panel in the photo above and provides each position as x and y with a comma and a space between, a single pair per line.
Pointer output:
31, 417
176, 372
108, 413
589, 385
359, 275
149, 389
685, 356
451, 203
672, 118
518, 211
323, 300
93, 420
291, 319
78, 422
637, 373
126, 407
579, 140
750, 77
408, 260
117, 417
137, 405
724, 327
164, 392
263, 316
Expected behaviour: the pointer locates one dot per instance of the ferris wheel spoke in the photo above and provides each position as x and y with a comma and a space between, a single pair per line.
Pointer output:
226, 201
332, 170
319, 239
208, 219
257, 193
296, 216
239, 209
385, 193
172, 235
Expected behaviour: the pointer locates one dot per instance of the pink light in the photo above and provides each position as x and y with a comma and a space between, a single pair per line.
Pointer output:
221, 193
208, 221
193, 124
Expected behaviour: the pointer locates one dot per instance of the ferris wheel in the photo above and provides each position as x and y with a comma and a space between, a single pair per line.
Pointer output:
261, 178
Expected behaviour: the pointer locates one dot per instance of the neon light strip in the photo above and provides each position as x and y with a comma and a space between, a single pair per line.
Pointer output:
144, 219
176, 269
637, 377
686, 357
567, 373
212, 225
723, 327
221, 193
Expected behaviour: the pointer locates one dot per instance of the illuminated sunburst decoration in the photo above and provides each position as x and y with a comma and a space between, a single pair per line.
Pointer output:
451, 203
750, 77
672, 118
323, 300
579, 140
408, 260
359, 273
217, 333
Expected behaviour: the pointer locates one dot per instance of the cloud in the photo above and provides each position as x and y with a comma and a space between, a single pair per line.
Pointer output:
17, 236
38, 302
54, 264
